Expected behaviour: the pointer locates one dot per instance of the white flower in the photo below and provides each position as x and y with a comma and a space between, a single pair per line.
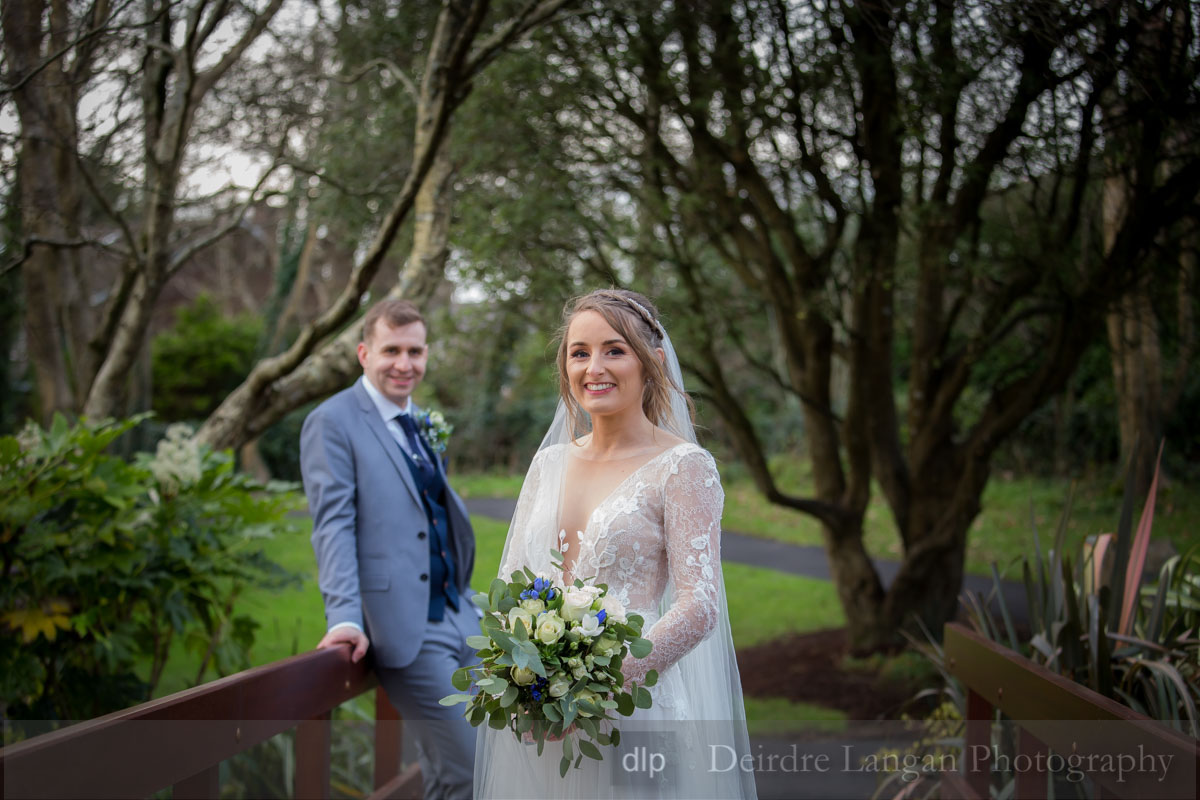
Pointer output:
613, 608
533, 605
590, 696
517, 613
436, 431
522, 676
550, 628
604, 646
559, 685
590, 625
577, 602
177, 459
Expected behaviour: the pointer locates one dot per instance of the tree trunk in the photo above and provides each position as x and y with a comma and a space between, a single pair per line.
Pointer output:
859, 590
1136, 357
262, 400
309, 370
108, 391
431, 230
945, 500
49, 204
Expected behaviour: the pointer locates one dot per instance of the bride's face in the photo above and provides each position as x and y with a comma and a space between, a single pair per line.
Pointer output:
603, 371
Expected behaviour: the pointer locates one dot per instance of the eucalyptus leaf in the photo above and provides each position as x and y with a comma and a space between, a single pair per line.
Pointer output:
590, 750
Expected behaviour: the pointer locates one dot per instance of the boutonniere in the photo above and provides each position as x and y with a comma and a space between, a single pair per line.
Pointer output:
436, 430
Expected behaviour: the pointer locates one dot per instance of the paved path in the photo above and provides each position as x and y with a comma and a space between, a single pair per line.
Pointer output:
805, 560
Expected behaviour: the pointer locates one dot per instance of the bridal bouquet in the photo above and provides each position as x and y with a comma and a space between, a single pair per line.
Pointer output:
550, 663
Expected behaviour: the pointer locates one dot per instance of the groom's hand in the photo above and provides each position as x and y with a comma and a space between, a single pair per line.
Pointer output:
350, 635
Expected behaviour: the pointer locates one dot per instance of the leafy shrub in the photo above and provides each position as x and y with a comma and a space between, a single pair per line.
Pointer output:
107, 562
199, 362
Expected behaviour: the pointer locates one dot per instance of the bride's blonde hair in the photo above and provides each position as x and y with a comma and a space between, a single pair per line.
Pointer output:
634, 317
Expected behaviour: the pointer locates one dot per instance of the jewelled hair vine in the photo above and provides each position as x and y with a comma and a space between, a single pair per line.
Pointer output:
642, 311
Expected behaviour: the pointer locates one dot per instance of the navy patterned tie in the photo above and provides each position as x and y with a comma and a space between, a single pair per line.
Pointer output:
416, 449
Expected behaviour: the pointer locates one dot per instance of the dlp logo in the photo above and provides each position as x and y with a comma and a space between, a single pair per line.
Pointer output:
644, 760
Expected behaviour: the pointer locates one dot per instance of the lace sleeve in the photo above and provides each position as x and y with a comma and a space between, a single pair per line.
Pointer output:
692, 504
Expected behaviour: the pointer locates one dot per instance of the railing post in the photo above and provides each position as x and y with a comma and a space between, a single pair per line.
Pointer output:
313, 740
388, 739
1031, 781
978, 742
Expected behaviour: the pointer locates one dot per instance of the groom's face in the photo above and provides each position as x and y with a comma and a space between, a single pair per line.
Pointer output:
393, 359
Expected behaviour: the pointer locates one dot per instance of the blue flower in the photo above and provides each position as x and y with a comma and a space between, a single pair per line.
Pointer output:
527, 594
537, 695
602, 615
551, 595
540, 584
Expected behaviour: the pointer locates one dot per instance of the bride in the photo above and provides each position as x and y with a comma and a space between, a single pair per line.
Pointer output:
634, 502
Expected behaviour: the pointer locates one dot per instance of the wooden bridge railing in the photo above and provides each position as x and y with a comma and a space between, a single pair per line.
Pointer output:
180, 741
1102, 739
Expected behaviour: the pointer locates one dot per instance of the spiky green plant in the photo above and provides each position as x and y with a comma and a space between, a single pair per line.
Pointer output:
1134, 643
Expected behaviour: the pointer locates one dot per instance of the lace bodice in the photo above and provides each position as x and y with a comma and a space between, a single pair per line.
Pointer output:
655, 541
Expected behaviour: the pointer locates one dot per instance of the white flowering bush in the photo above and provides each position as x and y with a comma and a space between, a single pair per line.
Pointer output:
550, 664
108, 563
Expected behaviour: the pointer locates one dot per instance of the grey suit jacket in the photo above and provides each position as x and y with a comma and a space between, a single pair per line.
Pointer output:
370, 530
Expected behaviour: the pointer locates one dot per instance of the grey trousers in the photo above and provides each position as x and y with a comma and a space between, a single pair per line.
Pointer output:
445, 741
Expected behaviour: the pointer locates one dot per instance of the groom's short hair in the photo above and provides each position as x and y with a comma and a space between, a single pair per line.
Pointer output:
395, 312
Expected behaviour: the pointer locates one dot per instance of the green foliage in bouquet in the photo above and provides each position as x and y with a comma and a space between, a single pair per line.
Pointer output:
550, 664
107, 562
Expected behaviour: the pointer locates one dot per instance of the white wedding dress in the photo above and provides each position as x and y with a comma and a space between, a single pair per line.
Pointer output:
655, 541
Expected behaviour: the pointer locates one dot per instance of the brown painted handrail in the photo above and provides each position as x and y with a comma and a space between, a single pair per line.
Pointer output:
179, 741
1056, 714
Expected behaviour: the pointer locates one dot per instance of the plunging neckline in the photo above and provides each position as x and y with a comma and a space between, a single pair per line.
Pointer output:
562, 492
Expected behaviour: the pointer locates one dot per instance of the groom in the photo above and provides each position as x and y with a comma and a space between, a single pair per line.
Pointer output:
393, 542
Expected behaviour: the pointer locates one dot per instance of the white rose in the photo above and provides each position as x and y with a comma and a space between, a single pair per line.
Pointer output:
550, 628
613, 608
590, 696
579, 670
522, 676
605, 646
533, 605
515, 614
559, 685
590, 625
576, 603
